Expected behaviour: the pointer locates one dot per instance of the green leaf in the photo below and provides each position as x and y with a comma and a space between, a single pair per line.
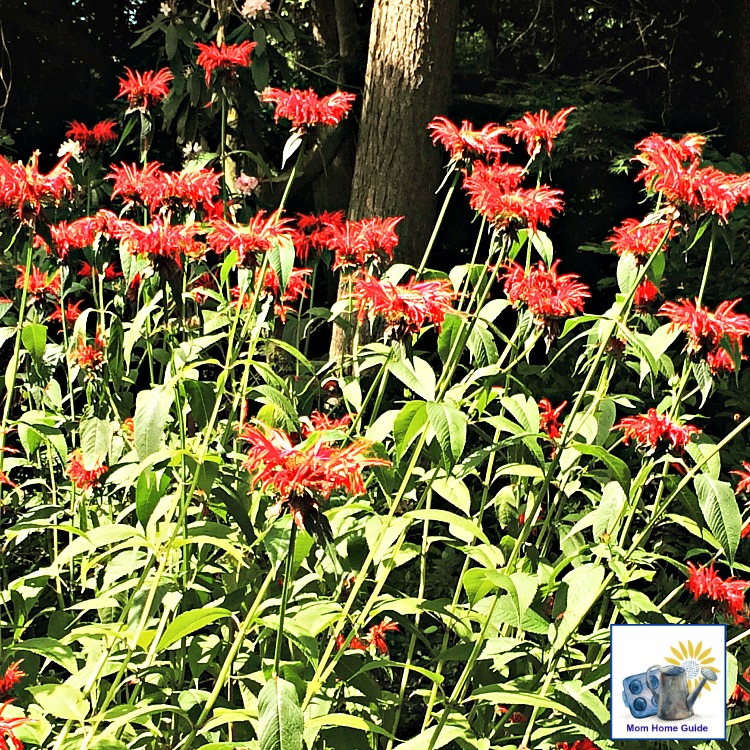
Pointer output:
409, 423
260, 71
151, 414
52, 649
449, 425
701, 446
188, 622
720, 510
149, 489
34, 339
454, 491
455, 523
496, 694
416, 375
202, 398
543, 245
575, 597
608, 514
281, 258
62, 701
627, 272
280, 719
134, 332
96, 436
448, 333
616, 465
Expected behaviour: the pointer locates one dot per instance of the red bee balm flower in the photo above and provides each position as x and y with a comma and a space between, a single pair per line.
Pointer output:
8, 726
730, 593
549, 418
706, 329
83, 478
376, 635
584, 744
356, 243
547, 295
301, 474
406, 308
226, 57
538, 129
12, 675
645, 294
744, 483
305, 108
91, 138
39, 283
25, 188
465, 142
656, 430
144, 89
257, 237
90, 357
641, 240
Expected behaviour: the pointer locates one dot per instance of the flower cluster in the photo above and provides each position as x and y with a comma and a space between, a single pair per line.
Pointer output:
90, 357
375, 638
24, 189
729, 594
465, 143
539, 129
8, 726
357, 243
39, 283
91, 138
13, 674
707, 330
297, 287
549, 418
673, 169
656, 431
405, 307
143, 90
641, 239
548, 296
584, 744
159, 241
224, 57
306, 108
84, 478
257, 237
739, 694
300, 475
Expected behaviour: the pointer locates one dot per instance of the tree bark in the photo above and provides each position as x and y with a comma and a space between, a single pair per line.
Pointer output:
407, 84
397, 168
741, 80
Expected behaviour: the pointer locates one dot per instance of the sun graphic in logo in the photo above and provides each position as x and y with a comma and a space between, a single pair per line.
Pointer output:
692, 659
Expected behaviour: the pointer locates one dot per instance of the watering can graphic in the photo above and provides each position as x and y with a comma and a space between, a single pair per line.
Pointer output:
671, 690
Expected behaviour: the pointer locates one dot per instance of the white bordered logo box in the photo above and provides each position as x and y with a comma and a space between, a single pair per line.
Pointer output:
668, 682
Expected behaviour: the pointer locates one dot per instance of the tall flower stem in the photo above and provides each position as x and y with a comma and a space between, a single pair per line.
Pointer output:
284, 598
438, 223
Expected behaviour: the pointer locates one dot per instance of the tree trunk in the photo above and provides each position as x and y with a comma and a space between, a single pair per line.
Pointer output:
741, 80
407, 83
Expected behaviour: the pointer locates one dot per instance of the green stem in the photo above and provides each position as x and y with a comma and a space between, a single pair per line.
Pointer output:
438, 223
284, 598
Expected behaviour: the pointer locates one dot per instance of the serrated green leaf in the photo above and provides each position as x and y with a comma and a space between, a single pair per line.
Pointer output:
416, 375
280, 718
34, 340
409, 423
720, 511
575, 597
96, 436
62, 701
202, 398
188, 622
449, 425
609, 511
52, 649
150, 420
281, 259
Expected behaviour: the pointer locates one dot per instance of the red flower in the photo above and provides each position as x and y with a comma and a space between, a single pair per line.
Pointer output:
305, 108
90, 357
302, 474
12, 676
547, 295
25, 189
549, 422
645, 294
110, 272
493, 194
706, 329
8, 726
160, 241
144, 89
39, 283
4, 478
405, 307
91, 138
584, 744
356, 243
376, 635
318, 422
465, 142
739, 694
72, 312
673, 168
354, 643
314, 232
257, 237
730, 593
639, 239
296, 287
225, 57
744, 483
536, 129
187, 189
131, 182
656, 430
83, 478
